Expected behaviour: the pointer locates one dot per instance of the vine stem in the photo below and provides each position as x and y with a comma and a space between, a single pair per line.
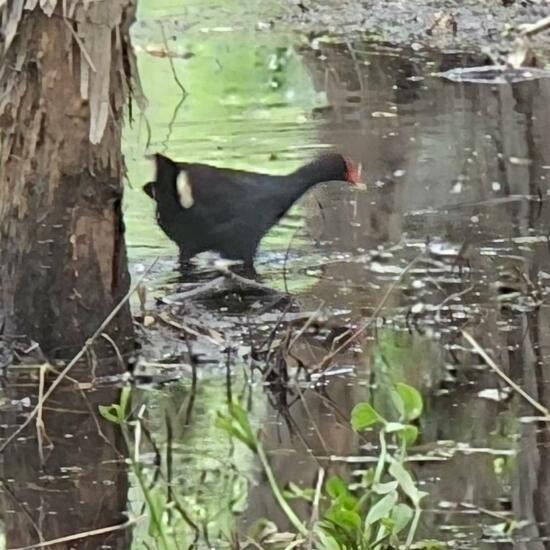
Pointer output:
293, 518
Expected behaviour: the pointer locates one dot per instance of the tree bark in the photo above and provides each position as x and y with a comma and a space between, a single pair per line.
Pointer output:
66, 72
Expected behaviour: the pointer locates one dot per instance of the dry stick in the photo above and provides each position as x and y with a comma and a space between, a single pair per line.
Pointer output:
449, 298
328, 358
85, 534
244, 280
22, 507
315, 510
215, 284
40, 428
219, 283
115, 348
77, 357
539, 26
306, 325
312, 420
480, 351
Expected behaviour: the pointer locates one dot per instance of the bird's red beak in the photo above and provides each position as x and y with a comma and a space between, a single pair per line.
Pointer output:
353, 173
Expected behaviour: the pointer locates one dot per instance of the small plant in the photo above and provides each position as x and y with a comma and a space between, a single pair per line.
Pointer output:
158, 505
377, 512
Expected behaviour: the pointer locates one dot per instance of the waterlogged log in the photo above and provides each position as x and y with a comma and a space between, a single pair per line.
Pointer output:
66, 72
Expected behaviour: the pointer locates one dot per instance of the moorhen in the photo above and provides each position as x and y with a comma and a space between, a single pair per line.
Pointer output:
204, 208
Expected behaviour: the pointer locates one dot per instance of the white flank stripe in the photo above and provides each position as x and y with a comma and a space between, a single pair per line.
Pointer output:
185, 193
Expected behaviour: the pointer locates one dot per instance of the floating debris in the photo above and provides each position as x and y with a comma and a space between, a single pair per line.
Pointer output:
493, 74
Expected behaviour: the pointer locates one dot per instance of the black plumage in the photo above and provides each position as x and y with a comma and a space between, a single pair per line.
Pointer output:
202, 207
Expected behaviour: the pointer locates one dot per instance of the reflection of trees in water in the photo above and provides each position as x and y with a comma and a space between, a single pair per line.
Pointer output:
455, 143
81, 485
299, 446
526, 346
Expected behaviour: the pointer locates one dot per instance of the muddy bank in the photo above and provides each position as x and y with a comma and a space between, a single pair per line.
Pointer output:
455, 24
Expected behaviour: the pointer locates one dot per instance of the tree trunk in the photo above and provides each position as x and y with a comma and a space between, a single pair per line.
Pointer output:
66, 72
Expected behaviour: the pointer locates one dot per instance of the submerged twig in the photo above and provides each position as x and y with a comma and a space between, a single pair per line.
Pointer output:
306, 325
312, 420
354, 334
41, 434
192, 394
85, 348
84, 534
218, 283
485, 356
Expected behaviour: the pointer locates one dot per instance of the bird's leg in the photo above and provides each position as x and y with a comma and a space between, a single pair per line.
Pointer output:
245, 275
247, 270
245, 282
184, 261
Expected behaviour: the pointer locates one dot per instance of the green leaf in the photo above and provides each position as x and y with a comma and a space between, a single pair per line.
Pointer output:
367, 478
406, 483
397, 401
228, 424
242, 419
363, 416
261, 529
125, 401
346, 519
335, 487
382, 508
156, 508
348, 502
295, 491
110, 413
237, 424
382, 454
409, 434
328, 542
240, 416
412, 401
385, 488
401, 516
391, 427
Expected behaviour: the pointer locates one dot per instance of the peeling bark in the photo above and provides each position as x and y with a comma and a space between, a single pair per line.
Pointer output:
65, 77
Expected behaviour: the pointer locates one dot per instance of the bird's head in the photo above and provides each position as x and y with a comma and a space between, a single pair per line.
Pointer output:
353, 173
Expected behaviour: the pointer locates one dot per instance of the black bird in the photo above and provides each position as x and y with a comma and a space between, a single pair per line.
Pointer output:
202, 207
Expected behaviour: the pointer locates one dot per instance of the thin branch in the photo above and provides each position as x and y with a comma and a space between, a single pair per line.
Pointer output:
485, 356
41, 434
315, 510
85, 534
306, 325
535, 28
353, 336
